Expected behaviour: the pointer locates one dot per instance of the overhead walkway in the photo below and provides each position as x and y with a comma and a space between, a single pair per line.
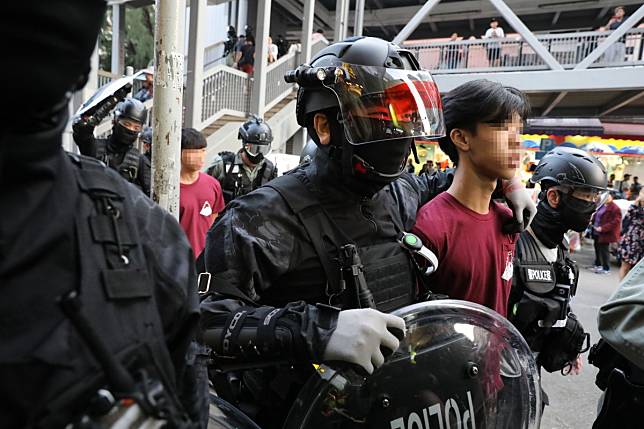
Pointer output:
587, 73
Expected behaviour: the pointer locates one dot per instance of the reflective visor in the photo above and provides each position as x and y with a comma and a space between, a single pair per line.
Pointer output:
380, 103
255, 149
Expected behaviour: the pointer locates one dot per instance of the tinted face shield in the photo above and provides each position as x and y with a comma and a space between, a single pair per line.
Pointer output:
383, 104
256, 152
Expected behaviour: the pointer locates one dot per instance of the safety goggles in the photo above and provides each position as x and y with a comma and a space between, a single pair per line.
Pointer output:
379, 103
254, 149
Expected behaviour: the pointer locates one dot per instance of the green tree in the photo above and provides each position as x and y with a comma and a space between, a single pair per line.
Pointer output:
139, 38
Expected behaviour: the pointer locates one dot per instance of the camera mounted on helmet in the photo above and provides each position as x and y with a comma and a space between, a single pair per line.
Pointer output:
385, 102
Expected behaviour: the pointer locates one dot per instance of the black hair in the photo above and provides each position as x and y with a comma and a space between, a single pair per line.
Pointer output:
478, 102
192, 139
319, 30
494, 20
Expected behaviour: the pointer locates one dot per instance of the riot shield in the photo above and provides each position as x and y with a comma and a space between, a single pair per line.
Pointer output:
460, 365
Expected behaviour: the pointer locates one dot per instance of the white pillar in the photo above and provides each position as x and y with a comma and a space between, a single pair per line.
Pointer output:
340, 20
118, 39
307, 30
242, 13
167, 107
195, 62
359, 18
258, 100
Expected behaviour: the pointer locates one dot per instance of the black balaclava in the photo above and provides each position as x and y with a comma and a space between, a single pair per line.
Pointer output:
122, 138
550, 224
351, 163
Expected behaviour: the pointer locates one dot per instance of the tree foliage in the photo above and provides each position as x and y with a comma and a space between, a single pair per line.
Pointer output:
139, 38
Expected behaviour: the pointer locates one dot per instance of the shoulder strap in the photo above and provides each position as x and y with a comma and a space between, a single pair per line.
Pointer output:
269, 167
528, 251
318, 224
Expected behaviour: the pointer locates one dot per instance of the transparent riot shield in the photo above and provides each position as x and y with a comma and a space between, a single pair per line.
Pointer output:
461, 366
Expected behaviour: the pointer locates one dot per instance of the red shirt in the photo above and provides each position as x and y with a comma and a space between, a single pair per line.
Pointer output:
198, 201
474, 255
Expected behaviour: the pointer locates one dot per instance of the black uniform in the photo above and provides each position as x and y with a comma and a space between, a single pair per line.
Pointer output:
127, 160
266, 265
70, 224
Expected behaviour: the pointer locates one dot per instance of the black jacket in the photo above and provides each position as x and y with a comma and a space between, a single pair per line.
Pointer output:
40, 250
261, 257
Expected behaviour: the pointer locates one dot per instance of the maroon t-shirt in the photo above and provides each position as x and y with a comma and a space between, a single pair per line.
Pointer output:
474, 255
198, 201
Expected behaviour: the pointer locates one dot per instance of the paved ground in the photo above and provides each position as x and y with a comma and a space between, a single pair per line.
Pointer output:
573, 399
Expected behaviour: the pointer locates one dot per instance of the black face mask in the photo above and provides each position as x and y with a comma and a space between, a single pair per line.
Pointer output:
576, 213
123, 136
367, 168
549, 224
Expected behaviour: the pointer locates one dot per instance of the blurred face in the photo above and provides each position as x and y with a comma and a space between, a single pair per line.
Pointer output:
494, 24
192, 159
131, 125
495, 148
619, 12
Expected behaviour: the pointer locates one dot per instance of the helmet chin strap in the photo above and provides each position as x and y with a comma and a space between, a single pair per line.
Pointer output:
364, 167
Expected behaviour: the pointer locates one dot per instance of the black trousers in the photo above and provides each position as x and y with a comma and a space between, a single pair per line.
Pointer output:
602, 255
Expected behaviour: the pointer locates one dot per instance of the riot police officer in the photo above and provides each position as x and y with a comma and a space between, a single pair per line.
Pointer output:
249, 169
545, 278
285, 258
118, 150
98, 301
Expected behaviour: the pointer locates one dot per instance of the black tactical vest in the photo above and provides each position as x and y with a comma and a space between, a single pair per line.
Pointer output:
128, 167
317, 277
116, 296
541, 291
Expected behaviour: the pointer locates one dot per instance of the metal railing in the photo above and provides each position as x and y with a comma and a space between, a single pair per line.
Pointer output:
228, 91
513, 53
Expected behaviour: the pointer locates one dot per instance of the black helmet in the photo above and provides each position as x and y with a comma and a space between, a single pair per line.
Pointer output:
146, 135
571, 167
256, 137
132, 109
361, 51
458, 361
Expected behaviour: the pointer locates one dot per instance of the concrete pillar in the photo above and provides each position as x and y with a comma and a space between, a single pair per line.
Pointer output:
359, 18
118, 39
258, 99
195, 62
167, 107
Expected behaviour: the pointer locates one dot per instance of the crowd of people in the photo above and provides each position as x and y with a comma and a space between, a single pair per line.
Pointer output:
456, 55
239, 51
101, 310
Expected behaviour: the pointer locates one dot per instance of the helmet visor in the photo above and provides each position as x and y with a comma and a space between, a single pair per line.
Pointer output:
379, 103
255, 149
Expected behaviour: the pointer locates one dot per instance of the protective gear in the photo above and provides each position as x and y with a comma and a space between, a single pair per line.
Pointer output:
123, 136
256, 137
47, 66
565, 166
522, 206
236, 178
373, 329
460, 365
297, 267
146, 136
576, 213
132, 109
540, 304
371, 92
623, 383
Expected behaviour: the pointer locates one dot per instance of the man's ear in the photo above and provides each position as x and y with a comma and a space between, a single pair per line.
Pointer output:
554, 198
322, 128
460, 138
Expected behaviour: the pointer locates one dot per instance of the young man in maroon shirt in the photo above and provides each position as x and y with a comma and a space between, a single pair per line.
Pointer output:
200, 197
463, 226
